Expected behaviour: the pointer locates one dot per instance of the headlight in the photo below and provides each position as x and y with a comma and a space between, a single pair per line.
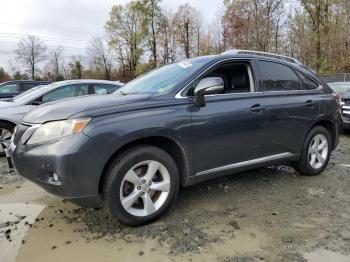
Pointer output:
57, 129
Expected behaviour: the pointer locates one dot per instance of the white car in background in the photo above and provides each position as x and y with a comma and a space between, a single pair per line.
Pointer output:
12, 110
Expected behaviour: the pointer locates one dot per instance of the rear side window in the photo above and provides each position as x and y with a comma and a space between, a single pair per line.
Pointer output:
277, 77
101, 89
27, 86
307, 83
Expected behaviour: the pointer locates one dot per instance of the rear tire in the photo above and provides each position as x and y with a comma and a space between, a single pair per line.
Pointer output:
315, 153
6, 131
141, 185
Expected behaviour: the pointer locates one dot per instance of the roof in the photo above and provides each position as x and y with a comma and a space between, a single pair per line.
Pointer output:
263, 54
79, 81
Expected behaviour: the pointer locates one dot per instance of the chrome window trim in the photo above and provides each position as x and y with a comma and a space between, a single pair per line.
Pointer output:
245, 163
179, 96
251, 78
297, 91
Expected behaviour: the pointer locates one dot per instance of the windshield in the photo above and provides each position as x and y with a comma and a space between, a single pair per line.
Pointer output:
164, 79
340, 87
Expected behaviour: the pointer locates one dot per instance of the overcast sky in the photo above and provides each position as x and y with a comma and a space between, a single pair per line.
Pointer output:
69, 23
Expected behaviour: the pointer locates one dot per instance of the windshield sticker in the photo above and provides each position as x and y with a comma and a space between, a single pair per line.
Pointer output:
185, 64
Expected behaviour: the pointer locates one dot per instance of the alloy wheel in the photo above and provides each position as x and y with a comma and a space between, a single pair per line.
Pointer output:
5, 139
145, 188
318, 151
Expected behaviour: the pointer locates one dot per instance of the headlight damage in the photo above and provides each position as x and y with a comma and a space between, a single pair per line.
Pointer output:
58, 129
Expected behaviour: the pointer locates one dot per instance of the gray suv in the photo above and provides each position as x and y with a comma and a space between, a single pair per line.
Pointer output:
176, 126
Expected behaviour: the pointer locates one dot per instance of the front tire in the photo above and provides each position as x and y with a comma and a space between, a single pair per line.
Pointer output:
141, 184
316, 152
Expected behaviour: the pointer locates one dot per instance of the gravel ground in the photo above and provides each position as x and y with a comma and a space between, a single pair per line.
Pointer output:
271, 214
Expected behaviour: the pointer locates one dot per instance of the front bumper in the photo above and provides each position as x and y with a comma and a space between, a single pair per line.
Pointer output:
76, 161
346, 116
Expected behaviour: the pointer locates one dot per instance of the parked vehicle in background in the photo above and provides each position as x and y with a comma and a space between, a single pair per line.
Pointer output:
13, 88
12, 110
179, 125
343, 89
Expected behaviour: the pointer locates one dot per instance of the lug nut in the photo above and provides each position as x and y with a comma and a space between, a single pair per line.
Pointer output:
139, 188
143, 193
150, 182
143, 181
149, 191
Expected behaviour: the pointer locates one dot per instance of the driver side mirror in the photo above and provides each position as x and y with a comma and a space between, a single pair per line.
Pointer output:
37, 103
208, 86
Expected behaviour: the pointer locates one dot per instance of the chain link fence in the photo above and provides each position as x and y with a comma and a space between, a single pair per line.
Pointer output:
344, 77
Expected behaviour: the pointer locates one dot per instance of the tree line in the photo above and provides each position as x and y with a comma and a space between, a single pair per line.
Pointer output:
141, 35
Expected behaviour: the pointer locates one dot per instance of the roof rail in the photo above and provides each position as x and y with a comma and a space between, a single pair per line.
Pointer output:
282, 57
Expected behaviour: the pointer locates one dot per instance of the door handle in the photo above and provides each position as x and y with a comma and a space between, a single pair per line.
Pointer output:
309, 103
257, 108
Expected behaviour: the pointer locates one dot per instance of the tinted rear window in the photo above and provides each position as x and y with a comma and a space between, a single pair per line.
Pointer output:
277, 77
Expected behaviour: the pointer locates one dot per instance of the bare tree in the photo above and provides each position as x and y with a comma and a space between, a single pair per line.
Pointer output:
56, 63
31, 51
152, 21
187, 21
99, 56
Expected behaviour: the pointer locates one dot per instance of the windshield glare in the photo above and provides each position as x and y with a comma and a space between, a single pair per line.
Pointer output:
164, 79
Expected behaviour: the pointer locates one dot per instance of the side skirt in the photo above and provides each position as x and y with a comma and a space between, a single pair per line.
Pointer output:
243, 166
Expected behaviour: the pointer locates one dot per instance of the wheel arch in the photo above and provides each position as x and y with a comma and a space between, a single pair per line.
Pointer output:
172, 147
7, 122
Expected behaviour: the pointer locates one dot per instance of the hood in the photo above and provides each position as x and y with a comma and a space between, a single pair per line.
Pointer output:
4, 103
66, 108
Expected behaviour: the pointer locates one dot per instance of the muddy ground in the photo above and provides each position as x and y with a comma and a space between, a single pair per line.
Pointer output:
271, 214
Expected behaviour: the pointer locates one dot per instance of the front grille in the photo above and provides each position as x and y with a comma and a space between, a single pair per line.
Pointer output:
21, 129
347, 102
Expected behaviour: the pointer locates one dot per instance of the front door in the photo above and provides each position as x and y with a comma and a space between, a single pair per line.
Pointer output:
230, 131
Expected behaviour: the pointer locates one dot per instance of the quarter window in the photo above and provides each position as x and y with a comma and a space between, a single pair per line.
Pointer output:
307, 83
277, 77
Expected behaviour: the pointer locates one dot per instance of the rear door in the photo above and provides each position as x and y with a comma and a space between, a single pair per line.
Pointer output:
291, 106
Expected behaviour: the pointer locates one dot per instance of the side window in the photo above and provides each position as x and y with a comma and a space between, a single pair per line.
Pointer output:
277, 77
9, 88
27, 86
237, 77
66, 92
307, 83
101, 89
